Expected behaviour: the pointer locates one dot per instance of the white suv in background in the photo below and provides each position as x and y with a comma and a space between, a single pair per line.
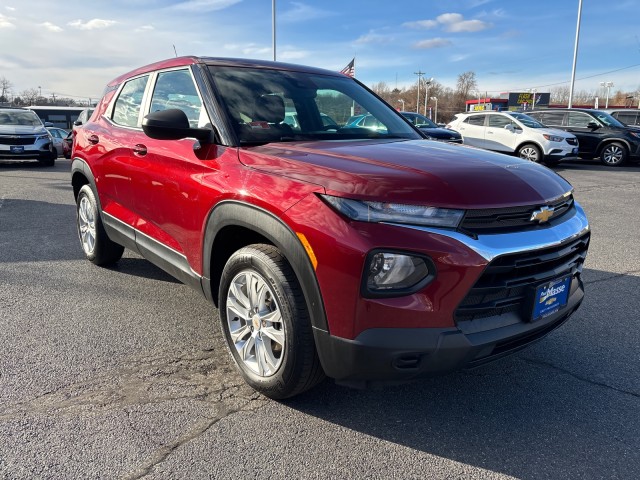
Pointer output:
514, 132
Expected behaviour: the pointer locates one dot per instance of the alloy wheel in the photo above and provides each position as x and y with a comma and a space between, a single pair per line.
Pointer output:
255, 323
612, 154
87, 225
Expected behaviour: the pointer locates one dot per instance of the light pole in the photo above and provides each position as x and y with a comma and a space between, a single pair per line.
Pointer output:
435, 117
273, 27
402, 100
608, 86
426, 95
420, 74
575, 55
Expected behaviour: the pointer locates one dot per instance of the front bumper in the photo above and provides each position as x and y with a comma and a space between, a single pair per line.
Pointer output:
397, 354
389, 355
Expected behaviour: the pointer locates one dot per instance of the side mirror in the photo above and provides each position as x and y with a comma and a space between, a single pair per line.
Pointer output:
172, 124
77, 123
510, 127
48, 124
593, 125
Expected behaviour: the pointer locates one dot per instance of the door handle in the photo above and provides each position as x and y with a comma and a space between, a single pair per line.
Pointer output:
140, 149
93, 139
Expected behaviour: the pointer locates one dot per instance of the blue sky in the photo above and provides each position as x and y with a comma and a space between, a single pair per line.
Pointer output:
76, 47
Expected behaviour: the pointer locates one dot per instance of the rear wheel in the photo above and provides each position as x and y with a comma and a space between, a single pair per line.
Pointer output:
530, 152
613, 154
97, 246
266, 323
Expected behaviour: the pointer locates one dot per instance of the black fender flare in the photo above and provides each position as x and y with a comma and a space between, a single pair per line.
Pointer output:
80, 166
239, 214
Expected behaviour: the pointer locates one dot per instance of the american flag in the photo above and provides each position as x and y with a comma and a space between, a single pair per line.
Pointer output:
350, 69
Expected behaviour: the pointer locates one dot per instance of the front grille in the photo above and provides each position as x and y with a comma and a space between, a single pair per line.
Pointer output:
17, 140
503, 220
572, 141
508, 282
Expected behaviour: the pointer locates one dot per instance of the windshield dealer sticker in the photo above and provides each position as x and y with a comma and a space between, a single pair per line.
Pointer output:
260, 125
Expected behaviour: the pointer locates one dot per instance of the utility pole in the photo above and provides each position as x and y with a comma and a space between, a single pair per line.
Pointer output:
420, 74
273, 27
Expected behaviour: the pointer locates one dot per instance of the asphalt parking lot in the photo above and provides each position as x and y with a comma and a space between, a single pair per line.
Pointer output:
122, 373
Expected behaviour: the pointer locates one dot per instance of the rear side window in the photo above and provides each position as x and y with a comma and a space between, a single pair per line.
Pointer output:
126, 110
499, 121
175, 89
475, 120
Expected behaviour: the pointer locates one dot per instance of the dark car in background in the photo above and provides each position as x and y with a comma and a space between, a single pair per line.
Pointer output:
628, 116
599, 134
431, 130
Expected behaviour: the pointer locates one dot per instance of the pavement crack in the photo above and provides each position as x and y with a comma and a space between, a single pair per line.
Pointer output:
580, 377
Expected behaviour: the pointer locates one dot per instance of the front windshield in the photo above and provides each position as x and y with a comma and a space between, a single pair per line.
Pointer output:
279, 106
526, 120
20, 118
607, 119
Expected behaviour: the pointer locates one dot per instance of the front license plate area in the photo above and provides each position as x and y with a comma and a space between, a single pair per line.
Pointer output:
550, 297
16, 149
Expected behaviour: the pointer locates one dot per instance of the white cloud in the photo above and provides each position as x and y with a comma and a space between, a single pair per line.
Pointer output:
204, 5
94, 24
373, 37
145, 28
459, 57
11, 9
426, 24
450, 22
5, 22
433, 43
51, 27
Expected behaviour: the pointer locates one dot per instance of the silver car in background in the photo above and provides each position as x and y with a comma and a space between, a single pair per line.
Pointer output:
23, 136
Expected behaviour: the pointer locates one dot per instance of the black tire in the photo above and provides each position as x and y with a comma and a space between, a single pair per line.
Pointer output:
531, 152
290, 365
613, 154
97, 246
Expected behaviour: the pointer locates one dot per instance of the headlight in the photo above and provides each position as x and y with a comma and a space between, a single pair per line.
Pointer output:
389, 273
553, 138
44, 137
375, 212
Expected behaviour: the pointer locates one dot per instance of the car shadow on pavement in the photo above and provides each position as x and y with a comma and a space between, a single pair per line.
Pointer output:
141, 267
567, 407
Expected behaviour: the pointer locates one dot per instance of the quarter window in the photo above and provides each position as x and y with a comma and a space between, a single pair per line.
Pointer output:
126, 110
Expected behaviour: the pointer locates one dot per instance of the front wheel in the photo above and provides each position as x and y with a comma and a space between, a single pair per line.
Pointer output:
266, 323
613, 154
97, 246
530, 152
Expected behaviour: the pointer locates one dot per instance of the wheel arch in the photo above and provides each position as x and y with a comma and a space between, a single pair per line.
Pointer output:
608, 141
82, 175
232, 225
530, 142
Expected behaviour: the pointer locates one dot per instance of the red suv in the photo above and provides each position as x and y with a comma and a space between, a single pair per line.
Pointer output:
364, 255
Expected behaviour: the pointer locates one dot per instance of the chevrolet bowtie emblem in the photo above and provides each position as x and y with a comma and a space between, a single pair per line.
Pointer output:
542, 215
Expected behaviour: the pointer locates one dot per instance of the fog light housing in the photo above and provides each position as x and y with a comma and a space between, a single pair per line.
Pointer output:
395, 274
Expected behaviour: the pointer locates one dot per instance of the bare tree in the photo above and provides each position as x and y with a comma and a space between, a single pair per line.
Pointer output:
465, 85
5, 88
30, 95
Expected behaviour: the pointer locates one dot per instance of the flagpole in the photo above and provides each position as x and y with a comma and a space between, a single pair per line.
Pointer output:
273, 27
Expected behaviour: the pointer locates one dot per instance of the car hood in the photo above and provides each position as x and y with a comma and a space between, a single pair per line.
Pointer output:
443, 133
22, 130
413, 171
